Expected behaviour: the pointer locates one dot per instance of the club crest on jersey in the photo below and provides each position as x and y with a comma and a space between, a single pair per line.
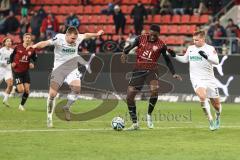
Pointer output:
155, 48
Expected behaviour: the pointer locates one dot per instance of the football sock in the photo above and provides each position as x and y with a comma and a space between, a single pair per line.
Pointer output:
6, 95
152, 103
218, 112
24, 98
206, 109
71, 99
50, 105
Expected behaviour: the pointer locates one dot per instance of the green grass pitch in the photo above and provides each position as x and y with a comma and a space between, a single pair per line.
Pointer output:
24, 135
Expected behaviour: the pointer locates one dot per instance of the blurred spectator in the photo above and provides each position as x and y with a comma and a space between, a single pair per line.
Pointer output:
34, 24
2, 23
166, 8
11, 24
215, 33
24, 25
233, 32
5, 7
85, 2
138, 13
177, 6
25, 4
155, 7
119, 19
62, 29
202, 7
14, 6
49, 26
190, 6
72, 20
42, 13
109, 10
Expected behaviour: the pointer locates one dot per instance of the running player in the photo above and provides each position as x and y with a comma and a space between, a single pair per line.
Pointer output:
66, 51
23, 59
201, 58
149, 48
5, 68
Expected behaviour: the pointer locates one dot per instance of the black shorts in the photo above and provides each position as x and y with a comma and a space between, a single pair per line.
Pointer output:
139, 77
20, 78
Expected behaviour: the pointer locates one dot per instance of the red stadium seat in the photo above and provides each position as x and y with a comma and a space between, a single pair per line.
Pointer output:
110, 20
125, 9
149, 19
87, 9
166, 19
185, 18
176, 19
204, 19
129, 19
97, 9
164, 29
146, 1
54, 9
83, 19
183, 29
63, 10
93, 19
79, 9
194, 19
104, 19
192, 29
157, 19
173, 29
61, 18
170, 40
109, 29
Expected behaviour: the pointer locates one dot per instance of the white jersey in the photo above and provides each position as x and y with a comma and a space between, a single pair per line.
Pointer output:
64, 51
5, 56
199, 67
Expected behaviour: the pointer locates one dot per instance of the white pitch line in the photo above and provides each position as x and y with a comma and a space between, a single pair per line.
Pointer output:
105, 129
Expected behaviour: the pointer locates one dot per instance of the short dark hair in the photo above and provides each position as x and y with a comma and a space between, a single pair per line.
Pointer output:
71, 30
199, 33
155, 27
27, 34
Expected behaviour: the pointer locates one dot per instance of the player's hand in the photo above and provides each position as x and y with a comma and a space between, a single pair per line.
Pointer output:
100, 32
171, 52
31, 65
203, 54
178, 77
13, 65
123, 58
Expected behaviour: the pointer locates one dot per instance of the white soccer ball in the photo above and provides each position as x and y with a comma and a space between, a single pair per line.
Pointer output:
118, 123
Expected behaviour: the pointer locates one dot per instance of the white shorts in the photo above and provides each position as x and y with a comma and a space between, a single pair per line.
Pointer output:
5, 74
74, 75
209, 85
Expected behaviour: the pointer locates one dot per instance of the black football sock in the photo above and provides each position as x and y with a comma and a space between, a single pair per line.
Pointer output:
152, 103
24, 98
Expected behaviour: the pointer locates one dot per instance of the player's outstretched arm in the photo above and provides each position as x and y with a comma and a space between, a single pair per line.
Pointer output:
40, 45
170, 65
92, 35
183, 59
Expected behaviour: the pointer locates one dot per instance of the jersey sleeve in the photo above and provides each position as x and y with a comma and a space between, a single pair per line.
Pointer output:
213, 56
2, 61
184, 58
54, 40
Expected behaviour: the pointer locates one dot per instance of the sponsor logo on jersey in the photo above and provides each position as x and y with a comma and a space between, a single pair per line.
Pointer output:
68, 50
195, 58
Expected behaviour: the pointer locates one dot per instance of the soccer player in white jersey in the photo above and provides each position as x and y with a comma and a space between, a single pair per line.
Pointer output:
201, 58
5, 68
66, 49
